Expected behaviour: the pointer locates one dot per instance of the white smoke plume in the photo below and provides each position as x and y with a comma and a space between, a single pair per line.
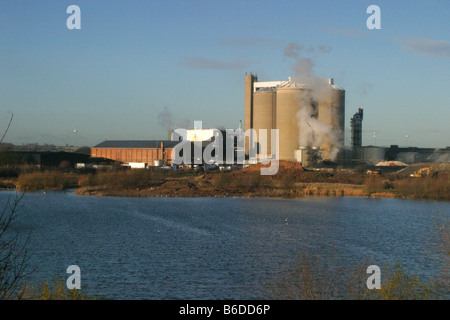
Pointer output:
312, 132
167, 121
292, 50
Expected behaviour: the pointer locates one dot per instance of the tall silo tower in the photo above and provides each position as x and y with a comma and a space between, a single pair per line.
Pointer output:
276, 105
356, 136
248, 105
331, 112
289, 101
264, 115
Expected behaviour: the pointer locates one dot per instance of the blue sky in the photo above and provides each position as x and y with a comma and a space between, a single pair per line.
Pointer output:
132, 60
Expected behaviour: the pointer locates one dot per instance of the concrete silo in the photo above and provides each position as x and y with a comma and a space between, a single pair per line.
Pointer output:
289, 100
331, 112
276, 105
264, 115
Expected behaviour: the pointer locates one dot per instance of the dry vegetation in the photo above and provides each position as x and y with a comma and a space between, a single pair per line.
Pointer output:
46, 180
437, 187
316, 279
129, 179
313, 278
53, 290
290, 181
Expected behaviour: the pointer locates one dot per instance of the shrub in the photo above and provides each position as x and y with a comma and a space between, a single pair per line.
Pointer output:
388, 185
47, 180
13, 254
9, 173
54, 290
373, 184
429, 188
397, 284
315, 279
136, 178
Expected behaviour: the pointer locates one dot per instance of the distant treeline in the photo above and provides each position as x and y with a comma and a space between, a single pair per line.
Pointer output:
12, 158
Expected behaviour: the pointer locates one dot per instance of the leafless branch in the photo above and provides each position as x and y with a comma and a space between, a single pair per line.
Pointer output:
13, 253
7, 128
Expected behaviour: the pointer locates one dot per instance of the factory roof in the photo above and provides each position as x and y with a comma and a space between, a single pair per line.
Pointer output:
265, 89
139, 144
292, 83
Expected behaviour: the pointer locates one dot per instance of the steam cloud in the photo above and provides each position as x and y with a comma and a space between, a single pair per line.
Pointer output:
312, 132
167, 121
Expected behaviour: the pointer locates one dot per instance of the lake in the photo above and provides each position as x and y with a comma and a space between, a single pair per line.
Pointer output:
216, 248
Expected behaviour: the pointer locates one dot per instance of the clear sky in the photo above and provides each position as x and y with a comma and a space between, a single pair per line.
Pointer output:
133, 60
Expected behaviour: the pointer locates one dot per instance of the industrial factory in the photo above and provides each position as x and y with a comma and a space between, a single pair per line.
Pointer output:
309, 117
136, 153
356, 124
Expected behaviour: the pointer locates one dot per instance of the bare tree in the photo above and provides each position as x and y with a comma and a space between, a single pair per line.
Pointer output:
13, 253
7, 128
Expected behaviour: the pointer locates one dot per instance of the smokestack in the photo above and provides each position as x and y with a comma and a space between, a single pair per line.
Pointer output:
248, 102
330, 81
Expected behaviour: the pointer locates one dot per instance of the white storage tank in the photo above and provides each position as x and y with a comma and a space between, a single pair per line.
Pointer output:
157, 163
137, 165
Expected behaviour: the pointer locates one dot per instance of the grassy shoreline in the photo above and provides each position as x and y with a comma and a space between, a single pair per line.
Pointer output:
289, 183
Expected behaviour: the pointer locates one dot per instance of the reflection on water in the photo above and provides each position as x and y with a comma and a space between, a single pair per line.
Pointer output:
210, 248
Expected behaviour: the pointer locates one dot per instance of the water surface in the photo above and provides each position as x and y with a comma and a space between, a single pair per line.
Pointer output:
216, 248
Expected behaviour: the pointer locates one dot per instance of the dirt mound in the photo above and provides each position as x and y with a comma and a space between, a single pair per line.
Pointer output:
177, 185
434, 167
284, 167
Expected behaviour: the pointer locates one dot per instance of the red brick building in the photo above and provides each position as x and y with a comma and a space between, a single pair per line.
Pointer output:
151, 152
